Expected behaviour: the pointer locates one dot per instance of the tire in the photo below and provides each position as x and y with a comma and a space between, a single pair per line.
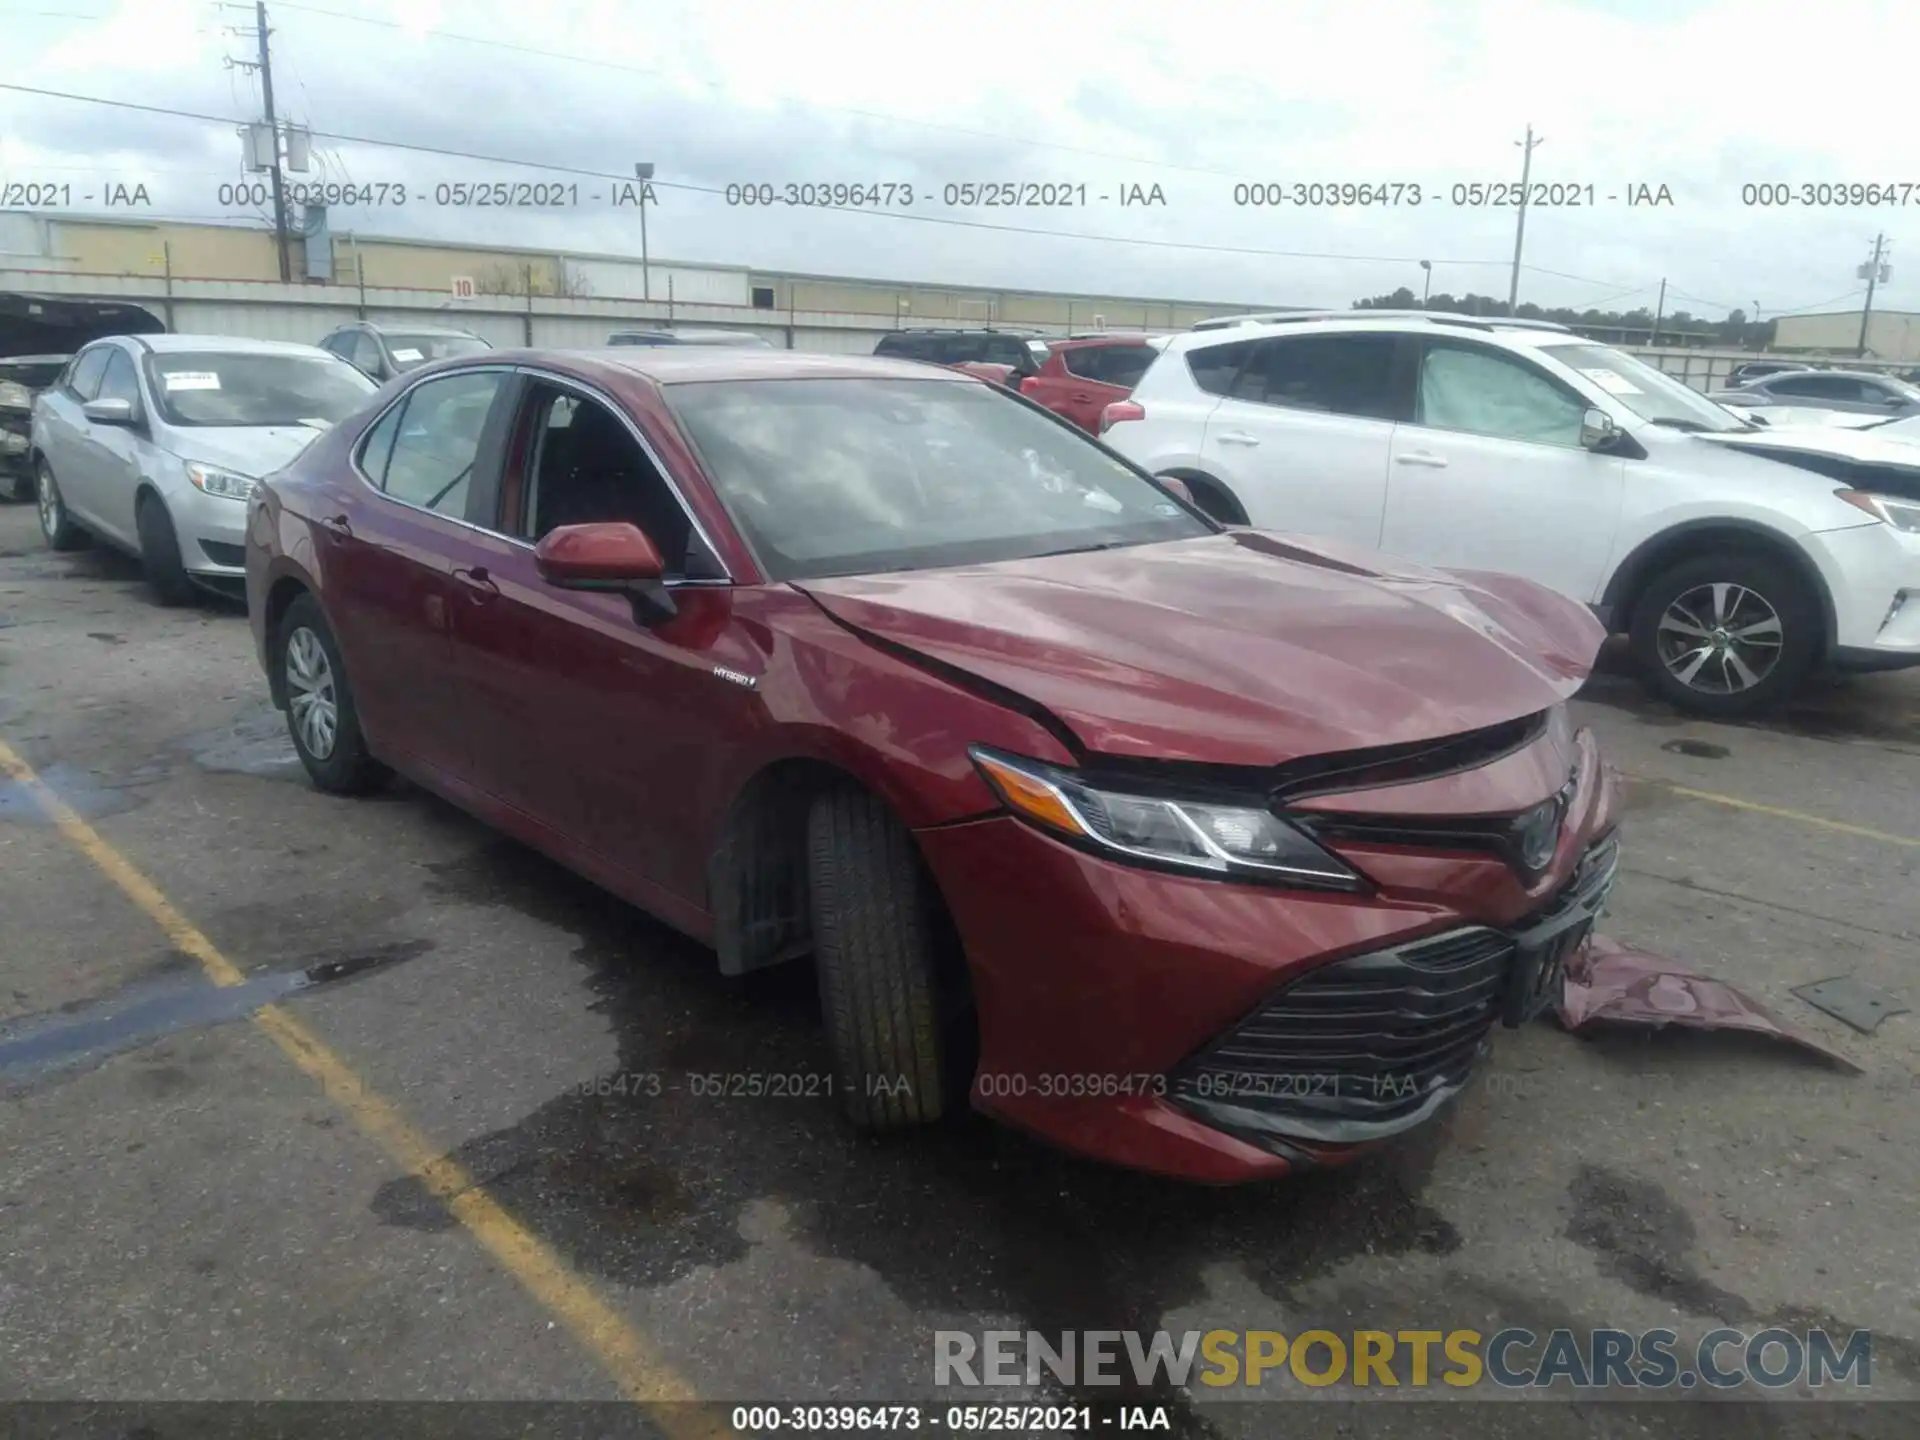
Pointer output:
57, 527
1213, 498
1763, 596
335, 756
160, 552
875, 922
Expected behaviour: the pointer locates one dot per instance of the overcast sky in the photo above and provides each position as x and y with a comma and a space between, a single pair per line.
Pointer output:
1702, 96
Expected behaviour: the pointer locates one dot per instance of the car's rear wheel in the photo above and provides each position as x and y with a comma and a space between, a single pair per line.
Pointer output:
876, 930
321, 716
56, 525
160, 552
1727, 635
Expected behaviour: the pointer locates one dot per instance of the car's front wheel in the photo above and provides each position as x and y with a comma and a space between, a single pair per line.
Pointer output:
160, 552
56, 525
321, 716
1728, 634
876, 931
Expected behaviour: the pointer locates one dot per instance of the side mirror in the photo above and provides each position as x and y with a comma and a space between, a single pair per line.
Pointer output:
606, 555
111, 412
1597, 430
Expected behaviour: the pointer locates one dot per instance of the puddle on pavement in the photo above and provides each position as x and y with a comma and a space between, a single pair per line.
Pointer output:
256, 743
152, 1008
80, 790
641, 1178
1697, 749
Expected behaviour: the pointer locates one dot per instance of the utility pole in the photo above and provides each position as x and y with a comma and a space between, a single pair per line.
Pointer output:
643, 172
273, 131
1520, 222
1659, 309
1426, 285
1873, 272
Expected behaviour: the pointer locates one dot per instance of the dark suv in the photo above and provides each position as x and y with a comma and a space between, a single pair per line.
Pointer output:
383, 352
1021, 351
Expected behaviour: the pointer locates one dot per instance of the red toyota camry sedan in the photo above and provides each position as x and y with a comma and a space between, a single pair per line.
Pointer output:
1213, 851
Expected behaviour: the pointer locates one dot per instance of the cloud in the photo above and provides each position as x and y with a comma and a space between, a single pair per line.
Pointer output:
1431, 93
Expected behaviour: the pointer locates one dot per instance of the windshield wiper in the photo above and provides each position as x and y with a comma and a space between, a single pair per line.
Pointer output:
1084, 549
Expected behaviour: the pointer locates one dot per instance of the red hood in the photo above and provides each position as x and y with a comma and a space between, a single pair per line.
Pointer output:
1248, 648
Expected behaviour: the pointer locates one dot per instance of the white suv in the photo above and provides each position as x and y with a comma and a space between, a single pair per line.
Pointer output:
1735, 556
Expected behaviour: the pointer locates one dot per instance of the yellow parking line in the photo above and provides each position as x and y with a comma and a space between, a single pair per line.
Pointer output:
639, 1370
1733, 801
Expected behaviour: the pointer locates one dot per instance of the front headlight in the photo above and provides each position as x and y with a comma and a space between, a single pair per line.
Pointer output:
15, 396
1898, 512
1206, 836
215, 481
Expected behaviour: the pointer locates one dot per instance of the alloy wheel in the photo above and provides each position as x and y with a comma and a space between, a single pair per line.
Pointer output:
1720, 638
49, 499
311, 694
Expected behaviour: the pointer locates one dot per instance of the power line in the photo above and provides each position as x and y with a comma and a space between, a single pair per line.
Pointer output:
557, 169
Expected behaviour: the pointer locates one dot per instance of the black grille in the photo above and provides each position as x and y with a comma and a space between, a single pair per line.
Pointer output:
221, 553
1363, 1046
1373, 1044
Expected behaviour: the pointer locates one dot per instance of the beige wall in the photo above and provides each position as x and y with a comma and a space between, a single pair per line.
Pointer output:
426, 267
928, 305
1891, 335
199, 252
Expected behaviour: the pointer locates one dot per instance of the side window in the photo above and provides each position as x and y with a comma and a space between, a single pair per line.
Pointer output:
438, 440
1486, 393
1214, 366
958, 349
377, 447
336, 343
1084, 362
366, 353
585, 466
1339, 374
901, 347
119, 382
84, 379
1007, 350
1121, 365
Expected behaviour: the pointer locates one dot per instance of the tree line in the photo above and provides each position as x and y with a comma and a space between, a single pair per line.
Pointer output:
1734, 331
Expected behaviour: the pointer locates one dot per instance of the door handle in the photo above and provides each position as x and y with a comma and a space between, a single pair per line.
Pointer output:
1237, 437
1424, 458
477, 583
338, 526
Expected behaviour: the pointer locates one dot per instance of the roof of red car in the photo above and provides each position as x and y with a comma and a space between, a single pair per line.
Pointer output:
677, 364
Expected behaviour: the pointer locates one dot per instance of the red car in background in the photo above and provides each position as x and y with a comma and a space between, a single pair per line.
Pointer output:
1085, 374
1212, 851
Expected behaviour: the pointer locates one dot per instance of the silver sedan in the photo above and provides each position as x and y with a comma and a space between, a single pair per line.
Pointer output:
152, 444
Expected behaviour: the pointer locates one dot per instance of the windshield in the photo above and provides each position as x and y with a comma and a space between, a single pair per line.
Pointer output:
409, 351
242, 388
848, 477
1649, 393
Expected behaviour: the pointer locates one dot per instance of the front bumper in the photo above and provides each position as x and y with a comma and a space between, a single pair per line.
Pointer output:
1873, 574
212, 531
1112, 1000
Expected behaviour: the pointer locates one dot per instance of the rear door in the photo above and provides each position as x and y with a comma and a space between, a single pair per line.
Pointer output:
389, 540
1489, 474
1304, 433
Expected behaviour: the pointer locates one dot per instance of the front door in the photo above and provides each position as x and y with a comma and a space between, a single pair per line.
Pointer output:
1491, 475
602, 721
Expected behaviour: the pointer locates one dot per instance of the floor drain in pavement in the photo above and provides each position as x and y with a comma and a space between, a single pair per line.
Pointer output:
1851, 1002
1697, 749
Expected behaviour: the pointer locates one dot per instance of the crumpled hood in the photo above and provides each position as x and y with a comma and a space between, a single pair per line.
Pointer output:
250, 450
1247, 648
